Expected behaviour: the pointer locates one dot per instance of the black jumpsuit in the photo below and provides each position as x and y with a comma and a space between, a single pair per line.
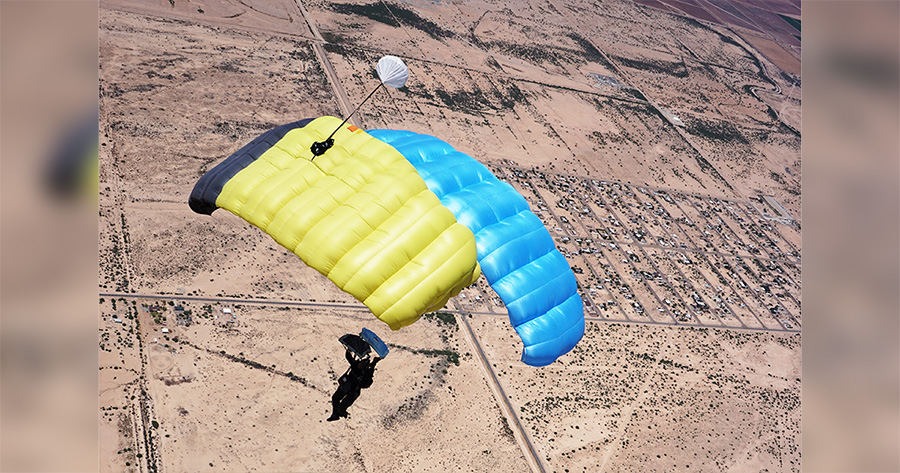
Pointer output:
358, 377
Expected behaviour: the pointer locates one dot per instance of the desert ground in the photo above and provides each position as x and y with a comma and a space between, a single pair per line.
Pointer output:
651, 143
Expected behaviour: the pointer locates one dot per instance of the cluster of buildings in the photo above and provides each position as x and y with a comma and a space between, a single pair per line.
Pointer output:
655, 255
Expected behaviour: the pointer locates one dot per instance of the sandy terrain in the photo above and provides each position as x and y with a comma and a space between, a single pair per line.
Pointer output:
233, 397
542, 108
643, 399
665, 224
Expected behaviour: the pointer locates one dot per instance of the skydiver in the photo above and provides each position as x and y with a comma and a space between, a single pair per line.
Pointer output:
358, 377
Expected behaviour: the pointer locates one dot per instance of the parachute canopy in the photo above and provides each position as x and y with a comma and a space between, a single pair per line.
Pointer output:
515, 250
402, 222
363, 344
392, 71
375, 342
360, 215
356, 344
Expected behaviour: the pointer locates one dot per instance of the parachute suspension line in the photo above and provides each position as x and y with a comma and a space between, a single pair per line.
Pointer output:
320, 147
391, 72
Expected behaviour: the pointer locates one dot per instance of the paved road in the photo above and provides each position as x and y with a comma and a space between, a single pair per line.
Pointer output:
531, 456
339, 92
362, 308
237, 300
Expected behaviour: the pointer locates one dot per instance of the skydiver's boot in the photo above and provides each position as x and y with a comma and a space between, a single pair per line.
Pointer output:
337, 414
334, 413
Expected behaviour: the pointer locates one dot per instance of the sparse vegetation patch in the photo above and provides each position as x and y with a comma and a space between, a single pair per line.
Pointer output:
390, 15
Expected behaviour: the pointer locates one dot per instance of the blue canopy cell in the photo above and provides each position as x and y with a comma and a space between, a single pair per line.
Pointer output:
515, 250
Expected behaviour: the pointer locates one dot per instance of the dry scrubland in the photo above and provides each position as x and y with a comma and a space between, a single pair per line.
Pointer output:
521, 90
654, 399
253, 395
185, 84
177, 99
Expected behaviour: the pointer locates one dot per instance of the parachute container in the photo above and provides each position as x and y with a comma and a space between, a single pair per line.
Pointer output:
515, 250
359, 214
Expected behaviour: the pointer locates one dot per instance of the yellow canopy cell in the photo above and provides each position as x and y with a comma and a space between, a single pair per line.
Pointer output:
360, 214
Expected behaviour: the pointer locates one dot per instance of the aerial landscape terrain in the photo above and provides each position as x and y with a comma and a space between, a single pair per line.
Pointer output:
657, 140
